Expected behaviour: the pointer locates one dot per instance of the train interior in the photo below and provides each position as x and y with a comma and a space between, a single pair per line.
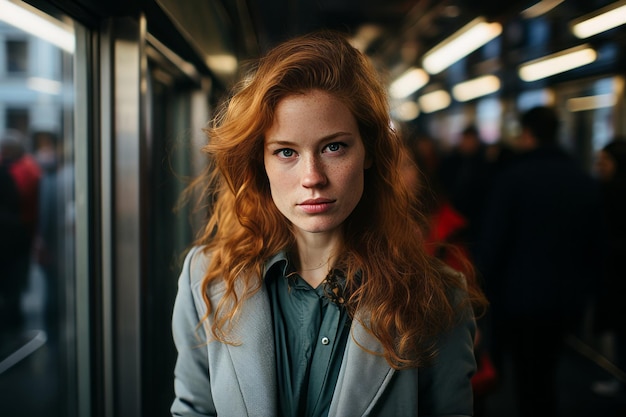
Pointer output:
109, 99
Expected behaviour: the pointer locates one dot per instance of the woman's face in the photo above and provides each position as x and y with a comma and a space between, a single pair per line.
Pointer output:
315, 161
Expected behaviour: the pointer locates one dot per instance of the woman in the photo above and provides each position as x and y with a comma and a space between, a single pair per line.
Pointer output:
305, 295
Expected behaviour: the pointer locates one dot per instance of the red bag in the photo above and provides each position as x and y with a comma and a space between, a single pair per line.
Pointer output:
486, 377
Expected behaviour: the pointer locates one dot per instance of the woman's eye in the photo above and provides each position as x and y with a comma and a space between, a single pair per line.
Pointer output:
334, 147
285, 153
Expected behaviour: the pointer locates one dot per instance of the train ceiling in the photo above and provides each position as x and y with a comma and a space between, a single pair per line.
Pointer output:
220, 34
396, 33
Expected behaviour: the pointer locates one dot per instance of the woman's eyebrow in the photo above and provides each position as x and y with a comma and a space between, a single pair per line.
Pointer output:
322, 139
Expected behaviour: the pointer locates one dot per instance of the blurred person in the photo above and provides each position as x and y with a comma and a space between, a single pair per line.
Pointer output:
463, 175
539, 256
46, 152
444, 229
305, 290
11, 234
25, 175
610, 308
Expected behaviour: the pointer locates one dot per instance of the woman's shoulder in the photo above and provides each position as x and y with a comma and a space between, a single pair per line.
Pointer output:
197, 261
195, 267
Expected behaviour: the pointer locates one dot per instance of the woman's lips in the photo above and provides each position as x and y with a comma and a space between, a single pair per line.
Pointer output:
316, 206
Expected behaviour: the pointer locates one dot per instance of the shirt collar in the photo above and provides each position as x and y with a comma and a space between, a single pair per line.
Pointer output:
334, 285
280, 258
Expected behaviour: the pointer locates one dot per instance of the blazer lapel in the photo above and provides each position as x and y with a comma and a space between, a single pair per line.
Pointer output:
253, 358
363, 376
248, 379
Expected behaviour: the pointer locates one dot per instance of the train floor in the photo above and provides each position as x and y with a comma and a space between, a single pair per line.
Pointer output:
580, 367
35, 369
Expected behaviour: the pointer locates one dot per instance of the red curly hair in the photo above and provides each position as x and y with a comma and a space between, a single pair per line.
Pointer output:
402, 296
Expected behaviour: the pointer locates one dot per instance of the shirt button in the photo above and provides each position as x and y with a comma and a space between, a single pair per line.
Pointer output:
325, 341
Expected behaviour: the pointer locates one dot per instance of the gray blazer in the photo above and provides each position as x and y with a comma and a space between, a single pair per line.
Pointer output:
217, 379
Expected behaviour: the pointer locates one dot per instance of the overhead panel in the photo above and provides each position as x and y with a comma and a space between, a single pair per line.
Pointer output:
206, 27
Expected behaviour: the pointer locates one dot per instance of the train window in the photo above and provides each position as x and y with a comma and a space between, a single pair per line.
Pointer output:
588, 114
538, 33
532, 98
37, 214
16, 118
16, 56
489, 119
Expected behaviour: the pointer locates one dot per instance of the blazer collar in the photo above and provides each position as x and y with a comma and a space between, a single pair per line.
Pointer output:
362, 379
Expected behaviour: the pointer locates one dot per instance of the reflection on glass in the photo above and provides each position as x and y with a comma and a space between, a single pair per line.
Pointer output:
36, 214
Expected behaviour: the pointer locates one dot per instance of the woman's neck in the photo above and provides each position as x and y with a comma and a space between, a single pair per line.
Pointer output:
314, 258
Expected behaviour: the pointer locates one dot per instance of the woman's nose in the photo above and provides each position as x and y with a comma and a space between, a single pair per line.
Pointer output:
313, 173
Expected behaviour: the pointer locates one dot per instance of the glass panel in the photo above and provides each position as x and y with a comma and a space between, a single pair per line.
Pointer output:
489, 119
589, 116
17, 56
37, 230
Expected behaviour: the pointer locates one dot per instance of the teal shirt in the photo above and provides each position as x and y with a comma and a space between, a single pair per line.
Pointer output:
311, 334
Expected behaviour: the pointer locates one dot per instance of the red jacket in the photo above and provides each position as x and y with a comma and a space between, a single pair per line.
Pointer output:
27, 174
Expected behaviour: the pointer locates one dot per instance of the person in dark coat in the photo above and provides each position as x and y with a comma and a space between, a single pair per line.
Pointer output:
463, 174
444, 230
11, 233
610, 309
538, 255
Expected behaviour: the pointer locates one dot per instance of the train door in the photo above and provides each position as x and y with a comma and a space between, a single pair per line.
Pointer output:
177, 110
151, 125
105, 123
42, 220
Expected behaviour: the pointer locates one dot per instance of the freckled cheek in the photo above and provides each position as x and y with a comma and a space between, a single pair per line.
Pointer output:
352, 179
282, 187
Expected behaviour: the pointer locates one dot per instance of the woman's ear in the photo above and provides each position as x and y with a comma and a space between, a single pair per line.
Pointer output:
369, 161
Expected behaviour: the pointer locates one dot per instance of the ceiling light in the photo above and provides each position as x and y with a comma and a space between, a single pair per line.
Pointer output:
437, 100
537, 9
408, 83
222, 63
591, 102
364, 36
32, 21
463, 42
477, 87
407, 110
556, 63
601, 20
